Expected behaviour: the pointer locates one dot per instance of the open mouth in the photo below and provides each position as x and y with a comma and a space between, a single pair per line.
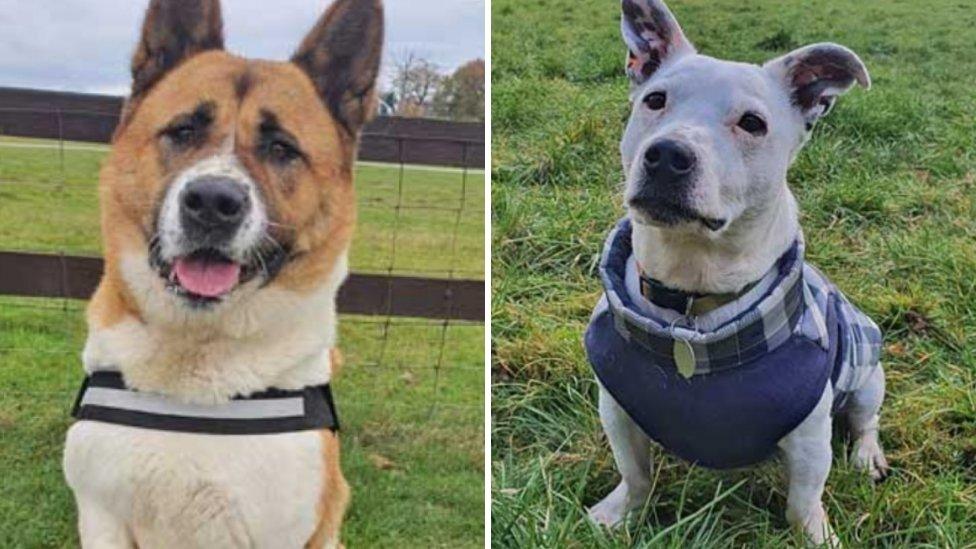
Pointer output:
208, 275
205, 274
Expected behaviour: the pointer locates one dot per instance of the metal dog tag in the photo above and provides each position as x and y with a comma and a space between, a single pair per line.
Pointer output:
684, 358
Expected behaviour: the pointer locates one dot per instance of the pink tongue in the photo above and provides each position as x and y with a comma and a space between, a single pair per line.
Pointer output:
207, 278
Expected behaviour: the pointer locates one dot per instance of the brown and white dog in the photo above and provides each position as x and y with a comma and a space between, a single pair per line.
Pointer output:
227, 210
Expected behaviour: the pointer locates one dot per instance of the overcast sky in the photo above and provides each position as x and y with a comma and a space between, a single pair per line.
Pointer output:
85, 45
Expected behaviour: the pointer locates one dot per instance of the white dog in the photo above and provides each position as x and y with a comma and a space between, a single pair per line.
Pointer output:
714, 338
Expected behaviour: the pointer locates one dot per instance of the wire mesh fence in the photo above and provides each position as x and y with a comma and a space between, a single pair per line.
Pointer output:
412, 312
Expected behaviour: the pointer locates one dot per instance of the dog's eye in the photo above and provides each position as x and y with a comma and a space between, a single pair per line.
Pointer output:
182, 134
282, 152
656, 101
752, 124
189, 128
275, 145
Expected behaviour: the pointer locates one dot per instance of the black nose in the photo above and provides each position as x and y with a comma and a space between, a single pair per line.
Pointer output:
668, 161
213, 207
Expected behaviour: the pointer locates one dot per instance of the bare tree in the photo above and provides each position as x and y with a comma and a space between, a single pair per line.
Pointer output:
415, 82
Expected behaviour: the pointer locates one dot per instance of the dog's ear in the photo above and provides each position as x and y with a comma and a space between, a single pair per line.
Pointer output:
652, 35
816, 75
173, 31
342, 57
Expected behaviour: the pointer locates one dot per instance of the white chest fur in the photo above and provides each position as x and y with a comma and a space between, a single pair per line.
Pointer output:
169, 489
187, 490
273, 338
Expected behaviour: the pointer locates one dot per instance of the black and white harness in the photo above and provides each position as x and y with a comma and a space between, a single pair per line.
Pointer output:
104, 397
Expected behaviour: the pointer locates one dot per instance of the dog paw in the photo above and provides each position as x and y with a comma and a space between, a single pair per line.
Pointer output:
868, 456
823, 536
816, 529
613, 509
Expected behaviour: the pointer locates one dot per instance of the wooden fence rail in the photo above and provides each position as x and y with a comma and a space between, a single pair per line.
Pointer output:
75, 277
92, 118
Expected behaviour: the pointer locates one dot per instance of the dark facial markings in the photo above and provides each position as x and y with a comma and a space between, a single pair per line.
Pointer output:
642, 27
813, 71
190, 129
656, 22
243, 84
276, 145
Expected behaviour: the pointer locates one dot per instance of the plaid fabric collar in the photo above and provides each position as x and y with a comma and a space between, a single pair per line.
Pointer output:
760, 320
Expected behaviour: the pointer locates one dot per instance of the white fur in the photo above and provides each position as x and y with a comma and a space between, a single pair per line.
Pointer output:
807, 456
247, 343
223, 164
162, 489
741, 178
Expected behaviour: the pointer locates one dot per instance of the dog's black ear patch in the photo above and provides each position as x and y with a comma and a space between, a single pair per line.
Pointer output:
652, 35
816, 75
342, 57
173, 31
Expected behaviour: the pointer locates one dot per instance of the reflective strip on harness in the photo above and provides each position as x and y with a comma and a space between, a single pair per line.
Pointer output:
156, 404
104, 397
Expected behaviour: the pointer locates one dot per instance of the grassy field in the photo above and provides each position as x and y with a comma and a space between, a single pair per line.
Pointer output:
412, 417
887, 189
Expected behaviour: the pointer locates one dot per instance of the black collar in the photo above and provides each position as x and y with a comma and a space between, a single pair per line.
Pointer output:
104, 397
663, 296
686, 303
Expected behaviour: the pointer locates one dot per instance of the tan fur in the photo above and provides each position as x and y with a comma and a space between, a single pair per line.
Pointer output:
158, 344
161, 47
317, 216
337, 360
335, 496
335, 492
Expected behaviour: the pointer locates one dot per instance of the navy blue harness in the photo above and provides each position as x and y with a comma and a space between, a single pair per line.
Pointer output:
729, 413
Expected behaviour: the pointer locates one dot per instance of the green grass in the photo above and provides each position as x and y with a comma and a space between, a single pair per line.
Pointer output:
413, 418
887, 189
